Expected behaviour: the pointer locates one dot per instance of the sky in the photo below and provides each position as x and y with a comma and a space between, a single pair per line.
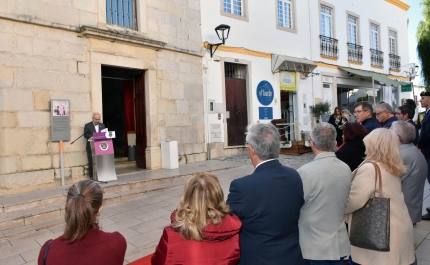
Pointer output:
415, 16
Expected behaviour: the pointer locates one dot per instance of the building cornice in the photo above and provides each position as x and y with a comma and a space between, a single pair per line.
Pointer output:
399, 4
124, 36
238, 50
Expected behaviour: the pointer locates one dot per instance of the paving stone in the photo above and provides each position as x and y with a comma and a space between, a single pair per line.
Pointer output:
146, 238
152, 215
13, 260
151, 224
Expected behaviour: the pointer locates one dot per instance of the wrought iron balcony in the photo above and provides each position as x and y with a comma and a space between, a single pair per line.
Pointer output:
328, 47
394, 62
355, 53
376, 58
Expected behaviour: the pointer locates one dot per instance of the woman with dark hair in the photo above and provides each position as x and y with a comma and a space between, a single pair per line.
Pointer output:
82, 241
202, 231
352, 150
413, 104
338, 120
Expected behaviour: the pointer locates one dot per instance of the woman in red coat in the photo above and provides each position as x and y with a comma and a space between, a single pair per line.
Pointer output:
202, 230
82, 241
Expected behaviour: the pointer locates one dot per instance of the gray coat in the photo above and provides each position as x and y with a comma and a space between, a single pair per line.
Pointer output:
326, 185
413, 180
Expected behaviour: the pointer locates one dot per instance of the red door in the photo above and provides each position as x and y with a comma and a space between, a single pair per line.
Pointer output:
140, 120
235, 93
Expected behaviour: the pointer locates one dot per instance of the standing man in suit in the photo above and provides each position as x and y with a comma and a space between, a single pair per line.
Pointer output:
414, 179
89, 129
268, 203
326, 185
363, 113
406, 113
424, 139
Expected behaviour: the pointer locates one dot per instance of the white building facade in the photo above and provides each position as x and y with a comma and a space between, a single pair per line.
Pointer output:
282, 56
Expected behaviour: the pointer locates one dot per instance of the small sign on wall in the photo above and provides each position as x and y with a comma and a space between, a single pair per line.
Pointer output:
265, 113
265, 93
60, 120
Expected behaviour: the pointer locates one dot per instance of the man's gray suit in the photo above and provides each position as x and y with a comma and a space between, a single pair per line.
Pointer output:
413, 180
326, 185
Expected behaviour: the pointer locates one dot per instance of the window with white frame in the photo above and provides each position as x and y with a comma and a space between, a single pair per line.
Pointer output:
352, 30
326, 15
374, 36
234, 7
285, 13
121, 13
392, 39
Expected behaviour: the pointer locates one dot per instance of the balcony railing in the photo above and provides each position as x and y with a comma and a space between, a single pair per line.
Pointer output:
376, 58
328, 47
394, 62
355, 53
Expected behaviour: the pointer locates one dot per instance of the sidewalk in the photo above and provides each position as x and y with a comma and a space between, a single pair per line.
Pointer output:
141, 220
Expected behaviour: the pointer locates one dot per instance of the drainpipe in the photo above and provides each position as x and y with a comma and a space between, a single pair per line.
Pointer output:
310, 48
206, 114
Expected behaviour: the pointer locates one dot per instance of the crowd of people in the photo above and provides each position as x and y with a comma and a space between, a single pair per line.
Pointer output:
278, 215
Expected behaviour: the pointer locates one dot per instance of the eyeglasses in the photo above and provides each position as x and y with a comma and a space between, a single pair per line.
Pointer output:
399, 113
379, 113
247, 144
358, 111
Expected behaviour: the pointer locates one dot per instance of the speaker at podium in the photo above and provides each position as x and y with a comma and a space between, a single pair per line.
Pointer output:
103, 156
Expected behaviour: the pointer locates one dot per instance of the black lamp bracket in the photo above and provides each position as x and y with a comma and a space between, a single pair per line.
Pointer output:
214, 47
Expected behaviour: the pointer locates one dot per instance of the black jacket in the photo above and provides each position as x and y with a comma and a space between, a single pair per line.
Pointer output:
417, 134
370, 124
89, 129
352, 153
339, 132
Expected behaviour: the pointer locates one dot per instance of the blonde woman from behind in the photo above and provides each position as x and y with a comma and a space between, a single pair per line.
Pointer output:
383, 148
202, 231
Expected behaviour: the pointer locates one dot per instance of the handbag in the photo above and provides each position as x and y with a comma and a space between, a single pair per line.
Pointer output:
370, 225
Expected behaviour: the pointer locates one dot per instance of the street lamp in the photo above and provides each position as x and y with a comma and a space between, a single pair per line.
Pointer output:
222, 32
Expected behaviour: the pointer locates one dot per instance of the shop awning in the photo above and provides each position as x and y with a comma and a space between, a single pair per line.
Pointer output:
288, 63
378, 78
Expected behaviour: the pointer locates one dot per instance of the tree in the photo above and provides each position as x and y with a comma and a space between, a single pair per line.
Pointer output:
423, 43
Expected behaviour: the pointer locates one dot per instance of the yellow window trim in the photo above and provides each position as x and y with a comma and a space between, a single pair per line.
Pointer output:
399, 4
244, 51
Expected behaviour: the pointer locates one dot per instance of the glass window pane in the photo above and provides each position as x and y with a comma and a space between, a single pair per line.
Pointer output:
227, 6
280, 13
237, 7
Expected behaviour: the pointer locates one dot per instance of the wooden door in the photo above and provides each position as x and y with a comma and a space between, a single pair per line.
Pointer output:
237, 107
139, 85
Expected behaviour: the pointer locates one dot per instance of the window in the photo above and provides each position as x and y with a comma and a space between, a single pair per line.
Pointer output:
326, 21
352, 30
121, 13
284, 13
374, 36
233, 7
392, 39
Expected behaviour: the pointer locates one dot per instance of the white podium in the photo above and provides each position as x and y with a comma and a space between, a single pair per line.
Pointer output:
169, 154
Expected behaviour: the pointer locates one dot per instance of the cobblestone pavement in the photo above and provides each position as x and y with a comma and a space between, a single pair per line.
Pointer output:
141, 221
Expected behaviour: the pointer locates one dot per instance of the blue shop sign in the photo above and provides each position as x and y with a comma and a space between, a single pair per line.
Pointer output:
265, 113
265, 93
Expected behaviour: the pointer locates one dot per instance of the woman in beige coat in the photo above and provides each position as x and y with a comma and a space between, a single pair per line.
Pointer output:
382, 147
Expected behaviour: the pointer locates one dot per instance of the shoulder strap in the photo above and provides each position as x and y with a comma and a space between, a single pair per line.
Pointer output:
46, 252
377, 175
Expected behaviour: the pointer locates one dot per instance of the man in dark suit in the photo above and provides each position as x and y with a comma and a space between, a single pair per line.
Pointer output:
424, 139
363, 113
268, 203
89, 129
406, 113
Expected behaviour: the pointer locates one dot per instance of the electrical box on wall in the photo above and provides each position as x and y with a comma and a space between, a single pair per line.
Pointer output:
211, 106
218, 107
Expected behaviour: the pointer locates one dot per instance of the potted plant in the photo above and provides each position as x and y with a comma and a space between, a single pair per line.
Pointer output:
286, 144
320, 108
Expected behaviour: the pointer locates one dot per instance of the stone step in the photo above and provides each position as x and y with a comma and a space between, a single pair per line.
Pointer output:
125, 164
27, 212
16, 224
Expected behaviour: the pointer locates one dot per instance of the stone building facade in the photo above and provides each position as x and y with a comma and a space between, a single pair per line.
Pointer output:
56, 49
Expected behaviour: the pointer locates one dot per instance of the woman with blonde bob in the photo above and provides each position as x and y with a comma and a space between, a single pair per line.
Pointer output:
383, 148
202, 231
83, 242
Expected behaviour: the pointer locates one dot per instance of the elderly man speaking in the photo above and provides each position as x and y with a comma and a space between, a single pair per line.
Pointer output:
326, 186
414, 179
